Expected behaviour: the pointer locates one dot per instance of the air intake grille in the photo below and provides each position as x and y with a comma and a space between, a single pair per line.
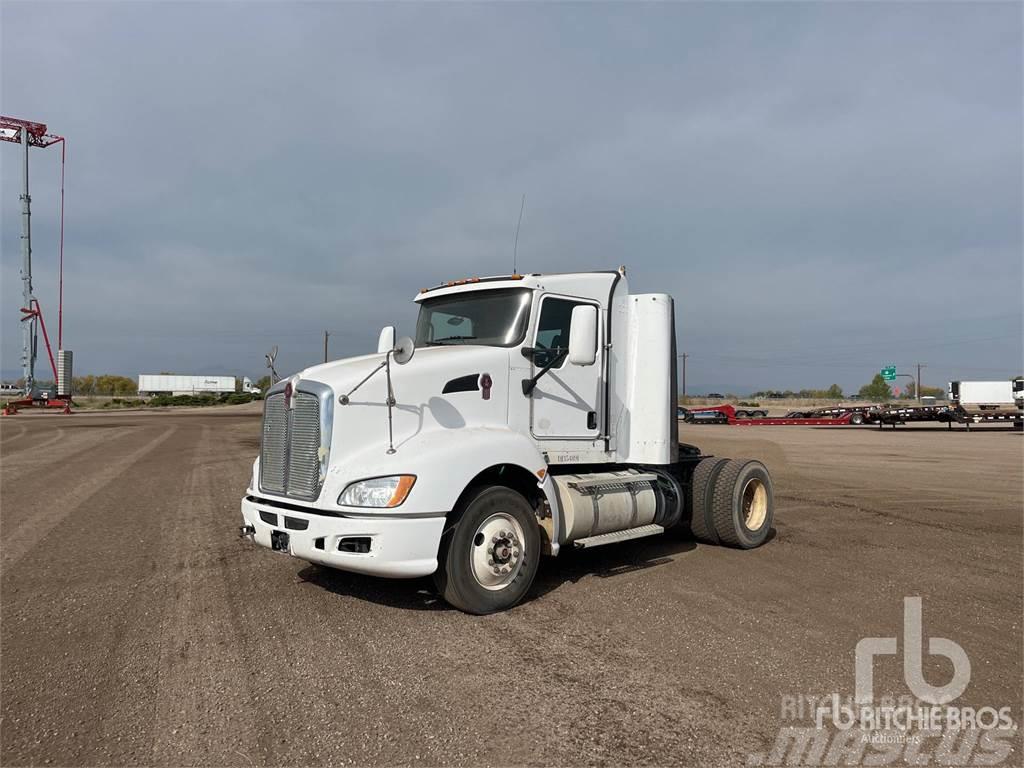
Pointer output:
274, 452
290, 454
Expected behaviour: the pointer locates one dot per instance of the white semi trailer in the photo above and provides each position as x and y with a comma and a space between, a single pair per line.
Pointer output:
173, 384
982, 394
530, 413
987, 401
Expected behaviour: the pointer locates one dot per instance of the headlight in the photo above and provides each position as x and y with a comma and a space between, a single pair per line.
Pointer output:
379, 492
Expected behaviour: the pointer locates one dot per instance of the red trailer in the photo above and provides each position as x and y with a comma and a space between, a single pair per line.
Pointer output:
729, 413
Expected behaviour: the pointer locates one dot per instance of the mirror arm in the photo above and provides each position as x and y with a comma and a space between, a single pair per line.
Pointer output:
390, 403
531, 383
344, 399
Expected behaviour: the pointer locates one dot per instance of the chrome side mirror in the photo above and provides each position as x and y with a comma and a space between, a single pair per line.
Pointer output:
404, 350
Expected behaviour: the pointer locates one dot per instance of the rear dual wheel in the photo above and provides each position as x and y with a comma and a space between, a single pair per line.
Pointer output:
743, 506
702, 488
732, 502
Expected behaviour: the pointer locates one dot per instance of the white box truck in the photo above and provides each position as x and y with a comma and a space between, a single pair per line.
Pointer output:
173, 384
530, 413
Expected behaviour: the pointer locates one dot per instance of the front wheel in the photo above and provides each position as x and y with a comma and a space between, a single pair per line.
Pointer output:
489, 558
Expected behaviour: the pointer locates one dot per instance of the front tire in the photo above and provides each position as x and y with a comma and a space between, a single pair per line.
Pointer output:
489, 559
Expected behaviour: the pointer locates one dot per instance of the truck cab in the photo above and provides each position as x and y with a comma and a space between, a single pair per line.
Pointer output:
527, 413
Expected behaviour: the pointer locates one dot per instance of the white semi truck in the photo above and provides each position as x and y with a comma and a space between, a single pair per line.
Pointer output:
530, 413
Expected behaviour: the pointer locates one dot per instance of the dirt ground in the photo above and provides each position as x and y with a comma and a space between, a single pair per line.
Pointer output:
137, 629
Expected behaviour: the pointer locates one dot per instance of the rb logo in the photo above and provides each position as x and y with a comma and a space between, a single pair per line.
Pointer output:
869, 647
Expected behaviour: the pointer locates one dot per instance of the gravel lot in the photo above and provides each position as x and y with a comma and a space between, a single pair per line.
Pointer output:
138, 629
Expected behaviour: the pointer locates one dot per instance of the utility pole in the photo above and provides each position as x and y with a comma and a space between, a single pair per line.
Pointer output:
326, 335
919, 367
684, 356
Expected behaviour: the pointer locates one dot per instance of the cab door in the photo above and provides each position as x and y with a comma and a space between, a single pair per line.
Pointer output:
566, 400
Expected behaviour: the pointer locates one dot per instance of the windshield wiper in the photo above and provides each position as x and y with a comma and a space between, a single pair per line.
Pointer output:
449, 338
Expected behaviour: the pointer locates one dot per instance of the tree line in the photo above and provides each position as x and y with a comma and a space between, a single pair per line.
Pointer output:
880, 390
834, 392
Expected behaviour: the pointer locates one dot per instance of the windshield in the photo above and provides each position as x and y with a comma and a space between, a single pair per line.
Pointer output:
496, 318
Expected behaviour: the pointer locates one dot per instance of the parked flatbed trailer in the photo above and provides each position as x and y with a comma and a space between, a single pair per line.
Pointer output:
859, 414
893, 415
817, 421
967, 418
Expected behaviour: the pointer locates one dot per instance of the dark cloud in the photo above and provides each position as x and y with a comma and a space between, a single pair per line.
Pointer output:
823, 187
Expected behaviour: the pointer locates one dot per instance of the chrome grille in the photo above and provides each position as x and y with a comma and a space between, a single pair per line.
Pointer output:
274, 451
303, 461
293, 442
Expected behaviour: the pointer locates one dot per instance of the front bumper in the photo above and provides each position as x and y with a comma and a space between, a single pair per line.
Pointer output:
399, 547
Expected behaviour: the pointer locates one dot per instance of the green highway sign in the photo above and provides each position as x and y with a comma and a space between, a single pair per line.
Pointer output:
889, 373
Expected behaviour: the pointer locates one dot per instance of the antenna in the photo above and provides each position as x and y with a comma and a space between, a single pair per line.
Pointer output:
515, 247
270, 364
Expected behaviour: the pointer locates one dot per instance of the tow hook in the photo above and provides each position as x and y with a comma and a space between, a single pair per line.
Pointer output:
246, 530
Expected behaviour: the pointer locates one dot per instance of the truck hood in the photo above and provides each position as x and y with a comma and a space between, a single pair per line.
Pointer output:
422, 377
439, 390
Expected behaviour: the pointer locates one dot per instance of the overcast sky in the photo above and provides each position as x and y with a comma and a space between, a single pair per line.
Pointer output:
824, 188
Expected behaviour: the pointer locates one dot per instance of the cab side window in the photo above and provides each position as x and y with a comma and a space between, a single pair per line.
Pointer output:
553, 330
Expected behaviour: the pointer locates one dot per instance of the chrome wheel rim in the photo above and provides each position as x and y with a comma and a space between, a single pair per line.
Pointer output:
497, 551
755, 504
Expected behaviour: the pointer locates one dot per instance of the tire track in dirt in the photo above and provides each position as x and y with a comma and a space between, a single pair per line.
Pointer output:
202, 685
69, 447
34, 447
80, 630
289, 664
610, 698
31, 531
288, 632
5, 436
357, 673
